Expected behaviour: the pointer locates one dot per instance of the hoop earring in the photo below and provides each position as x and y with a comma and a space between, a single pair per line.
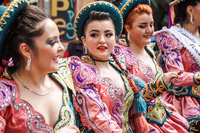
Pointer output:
28, 64
191, 19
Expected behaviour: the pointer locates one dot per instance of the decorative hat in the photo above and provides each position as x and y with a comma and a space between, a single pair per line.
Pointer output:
32, 2
127, 5
103, 6
8, 14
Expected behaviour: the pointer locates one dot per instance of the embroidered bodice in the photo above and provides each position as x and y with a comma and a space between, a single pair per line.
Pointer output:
17, 115
155, 86
102, 105
178, 59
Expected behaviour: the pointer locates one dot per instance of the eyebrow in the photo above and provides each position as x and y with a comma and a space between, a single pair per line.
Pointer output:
93, 31
51, 38
98, 31
146, 22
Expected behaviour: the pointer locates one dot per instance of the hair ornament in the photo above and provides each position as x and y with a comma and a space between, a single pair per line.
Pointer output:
171, 11
175, 2
32, 2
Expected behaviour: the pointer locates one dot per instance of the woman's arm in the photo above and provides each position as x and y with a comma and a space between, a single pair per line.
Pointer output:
172, 50
94, 113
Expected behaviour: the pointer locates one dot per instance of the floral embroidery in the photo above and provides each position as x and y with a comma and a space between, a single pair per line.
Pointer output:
83, 75
197, 78
95, 88
157, 112
178, 56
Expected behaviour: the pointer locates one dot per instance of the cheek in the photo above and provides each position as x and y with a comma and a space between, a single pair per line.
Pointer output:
137, 35
90, 43
111, 45
111, 42
136, 31
152, 31
51, 52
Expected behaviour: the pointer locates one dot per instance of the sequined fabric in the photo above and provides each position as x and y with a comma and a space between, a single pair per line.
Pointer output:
17, 115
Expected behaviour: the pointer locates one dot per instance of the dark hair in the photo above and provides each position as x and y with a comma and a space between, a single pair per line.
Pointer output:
24, 30
180, 10
75, 48
97, 15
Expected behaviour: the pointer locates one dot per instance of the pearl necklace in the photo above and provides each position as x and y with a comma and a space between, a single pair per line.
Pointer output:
37, 93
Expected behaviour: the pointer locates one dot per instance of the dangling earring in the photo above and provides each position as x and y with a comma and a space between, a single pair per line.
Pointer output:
28, 64
128, 36
191, 19
85, 50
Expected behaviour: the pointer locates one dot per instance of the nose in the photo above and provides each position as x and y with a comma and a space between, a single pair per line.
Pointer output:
148, 29
102, 39
60, 47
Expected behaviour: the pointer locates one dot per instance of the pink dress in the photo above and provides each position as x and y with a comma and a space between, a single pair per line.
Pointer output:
101, 104
184, 92
18, 116
158, 114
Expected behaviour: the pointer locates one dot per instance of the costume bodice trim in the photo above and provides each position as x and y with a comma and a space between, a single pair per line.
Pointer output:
35, 121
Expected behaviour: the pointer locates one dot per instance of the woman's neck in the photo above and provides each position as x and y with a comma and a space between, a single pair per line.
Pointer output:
192, 29
31, 77
137, 49
102, 64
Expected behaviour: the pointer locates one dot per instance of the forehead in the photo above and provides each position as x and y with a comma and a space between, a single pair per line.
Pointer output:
144, 17
50, 30
49, 27
101, 25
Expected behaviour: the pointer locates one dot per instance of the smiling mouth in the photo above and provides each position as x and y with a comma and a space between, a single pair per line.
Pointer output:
102, 48
56, 58
147, 36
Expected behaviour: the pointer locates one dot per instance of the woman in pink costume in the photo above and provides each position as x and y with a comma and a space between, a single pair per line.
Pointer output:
36, 87
139, 26
103, 93
105, 90
180, 50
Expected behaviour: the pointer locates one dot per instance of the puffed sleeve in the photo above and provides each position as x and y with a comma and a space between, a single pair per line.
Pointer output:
2, 124
171, 50
94, 113
5, 101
